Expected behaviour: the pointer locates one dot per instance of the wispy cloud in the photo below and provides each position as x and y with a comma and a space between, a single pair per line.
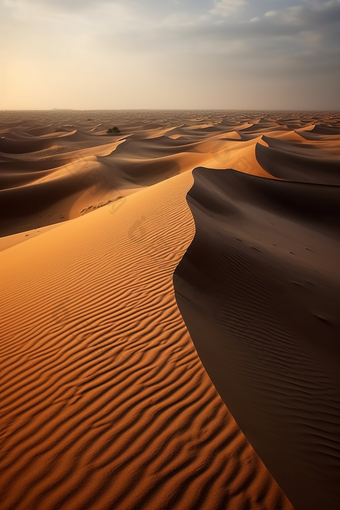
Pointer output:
227, 7
152, 48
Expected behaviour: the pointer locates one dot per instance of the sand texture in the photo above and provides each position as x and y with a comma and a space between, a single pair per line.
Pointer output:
259, 292
111, 277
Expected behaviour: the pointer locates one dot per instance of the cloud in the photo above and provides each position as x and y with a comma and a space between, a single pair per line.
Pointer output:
227, 7
226, 41
145, 8
61, 5
294, 19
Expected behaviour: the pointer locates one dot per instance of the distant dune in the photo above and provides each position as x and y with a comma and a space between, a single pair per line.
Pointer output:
105, 403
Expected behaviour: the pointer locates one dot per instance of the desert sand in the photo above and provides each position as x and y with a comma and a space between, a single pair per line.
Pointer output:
111, 277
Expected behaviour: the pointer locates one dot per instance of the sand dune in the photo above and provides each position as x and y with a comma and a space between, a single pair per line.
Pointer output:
80, 172
285, 164
258, 292
326, 130
105, 402
15, 146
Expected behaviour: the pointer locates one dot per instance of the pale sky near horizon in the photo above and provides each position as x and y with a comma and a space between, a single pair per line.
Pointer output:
202, 54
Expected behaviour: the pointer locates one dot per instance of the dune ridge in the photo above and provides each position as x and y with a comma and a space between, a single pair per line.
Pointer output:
55, 171
105, 402
258, 292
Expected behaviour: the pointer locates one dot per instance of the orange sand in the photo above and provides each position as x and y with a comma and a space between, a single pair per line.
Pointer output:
105, 403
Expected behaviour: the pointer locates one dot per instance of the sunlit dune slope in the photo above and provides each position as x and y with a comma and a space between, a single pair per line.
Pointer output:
105, 403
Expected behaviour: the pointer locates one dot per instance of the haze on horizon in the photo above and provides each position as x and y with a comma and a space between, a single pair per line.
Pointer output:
201, 54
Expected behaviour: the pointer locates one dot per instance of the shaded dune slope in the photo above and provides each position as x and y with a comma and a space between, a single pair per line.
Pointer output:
284, 164
258, 289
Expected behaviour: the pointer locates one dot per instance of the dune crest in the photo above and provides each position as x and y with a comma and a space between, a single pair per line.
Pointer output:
105, 402
103, 395
258, 291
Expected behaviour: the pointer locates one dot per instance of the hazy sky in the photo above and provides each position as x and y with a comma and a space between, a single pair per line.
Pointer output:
249, 54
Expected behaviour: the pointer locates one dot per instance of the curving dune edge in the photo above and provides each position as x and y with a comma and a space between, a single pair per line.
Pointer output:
105, 402
258, 289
